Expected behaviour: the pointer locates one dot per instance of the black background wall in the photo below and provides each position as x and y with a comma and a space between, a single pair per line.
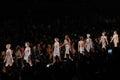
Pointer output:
20, 19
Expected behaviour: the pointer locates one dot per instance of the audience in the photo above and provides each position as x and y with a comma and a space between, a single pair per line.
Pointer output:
41, 37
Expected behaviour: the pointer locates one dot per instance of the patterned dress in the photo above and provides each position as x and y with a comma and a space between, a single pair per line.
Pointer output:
81, 47
9, 58
88, 44
104, 41
67, 47
27, 54
56, 51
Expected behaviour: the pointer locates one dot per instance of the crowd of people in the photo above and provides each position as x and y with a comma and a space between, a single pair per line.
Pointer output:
75, 53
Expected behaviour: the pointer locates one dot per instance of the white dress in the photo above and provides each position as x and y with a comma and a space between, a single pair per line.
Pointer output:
67, 47
88, 44
56, 51
81, 48
104, 41
27, 53
9, 58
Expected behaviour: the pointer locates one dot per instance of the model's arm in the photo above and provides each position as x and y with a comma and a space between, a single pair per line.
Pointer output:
91, 43
63, 44
5, 59
112, 39
78, 47
100, 40
106, 40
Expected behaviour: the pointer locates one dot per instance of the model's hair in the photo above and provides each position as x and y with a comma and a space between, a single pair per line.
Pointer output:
8, 45
88, 35
18, 47
115, 31
81, 38
27, 43
57, 38
68, 38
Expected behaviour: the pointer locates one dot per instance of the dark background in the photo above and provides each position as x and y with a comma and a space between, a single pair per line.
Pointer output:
19, 20
30, 20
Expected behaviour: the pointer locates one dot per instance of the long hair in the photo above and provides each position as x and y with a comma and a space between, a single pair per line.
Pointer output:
68, 38
18, 48
81, 38
57, 39
27, 43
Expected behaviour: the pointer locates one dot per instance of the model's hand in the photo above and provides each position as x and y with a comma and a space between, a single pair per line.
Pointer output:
4, 61
110, 41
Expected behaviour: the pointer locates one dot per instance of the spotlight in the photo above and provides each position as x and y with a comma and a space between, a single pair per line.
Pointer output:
109, 51
48, 65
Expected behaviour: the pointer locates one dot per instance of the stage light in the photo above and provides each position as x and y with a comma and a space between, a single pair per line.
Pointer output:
109, 51
48, 65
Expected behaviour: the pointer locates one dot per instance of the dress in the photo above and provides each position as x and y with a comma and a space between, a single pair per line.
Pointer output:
81, 48
56, 51
67, 49
27, 53
88, 44
115, 40
9, 58
104, 41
